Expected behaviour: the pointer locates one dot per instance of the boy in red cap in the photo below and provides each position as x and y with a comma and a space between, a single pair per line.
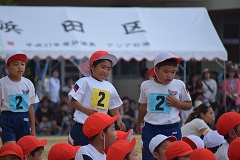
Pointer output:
32, 147
17, 96
100, 130
178, 150
11, 151
123, 150
228, 125
233, 150
161, 100
93, 93
62, 151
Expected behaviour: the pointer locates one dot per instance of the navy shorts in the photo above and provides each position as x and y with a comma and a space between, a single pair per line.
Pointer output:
14, 125
77, 135
149, 131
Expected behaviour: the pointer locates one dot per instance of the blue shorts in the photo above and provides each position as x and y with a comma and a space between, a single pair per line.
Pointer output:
77, 135
149, 131
14, 125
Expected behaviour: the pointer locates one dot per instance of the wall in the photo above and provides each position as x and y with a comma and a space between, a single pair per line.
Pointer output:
128, 87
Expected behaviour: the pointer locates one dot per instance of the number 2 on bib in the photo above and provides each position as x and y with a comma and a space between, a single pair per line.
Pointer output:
18, 102
100, 99
158, 103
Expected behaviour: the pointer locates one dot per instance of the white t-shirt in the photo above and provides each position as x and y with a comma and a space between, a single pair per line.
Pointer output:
221, 153
154, 95
90, 92
193, 127
90, 152
17, 96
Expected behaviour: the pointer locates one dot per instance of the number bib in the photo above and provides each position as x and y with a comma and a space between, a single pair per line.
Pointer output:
158, 103
100, 99
18, 102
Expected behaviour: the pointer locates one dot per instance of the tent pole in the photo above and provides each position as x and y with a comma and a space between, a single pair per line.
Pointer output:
220, 64
224, 81
76, 65
62, 71
184, 72
224, 78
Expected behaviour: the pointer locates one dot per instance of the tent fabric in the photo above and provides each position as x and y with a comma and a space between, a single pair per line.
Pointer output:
139, 33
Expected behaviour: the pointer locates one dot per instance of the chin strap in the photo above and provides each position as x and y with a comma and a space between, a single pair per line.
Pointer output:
234, 133
156, 74
104, 140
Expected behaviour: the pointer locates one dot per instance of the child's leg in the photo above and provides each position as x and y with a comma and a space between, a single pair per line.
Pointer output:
7, 123
147, 134
22, 125
149, 131
77, 136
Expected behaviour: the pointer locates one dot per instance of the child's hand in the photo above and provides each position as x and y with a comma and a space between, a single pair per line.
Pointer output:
172, 101
33, 133
121, 125
90, 111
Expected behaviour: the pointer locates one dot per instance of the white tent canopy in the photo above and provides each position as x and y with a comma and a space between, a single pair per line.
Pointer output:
139, 33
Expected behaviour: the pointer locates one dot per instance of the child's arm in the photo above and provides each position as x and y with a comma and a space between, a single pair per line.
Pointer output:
141, 114
120, 124
174, 102
76, 105
32, 119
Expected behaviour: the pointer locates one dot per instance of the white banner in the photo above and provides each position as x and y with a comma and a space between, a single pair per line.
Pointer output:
76, 32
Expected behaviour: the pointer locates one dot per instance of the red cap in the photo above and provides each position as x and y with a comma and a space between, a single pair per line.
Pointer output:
119, 149
177, 149
62, 151
11, 149
29, 143
233, 149
202, 154
162, 56
124, 135
96, 123
227, 122
15, 56
84, 67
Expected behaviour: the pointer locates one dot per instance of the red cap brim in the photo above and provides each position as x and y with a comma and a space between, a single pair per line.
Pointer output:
190, 142
17, 57
151, 72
